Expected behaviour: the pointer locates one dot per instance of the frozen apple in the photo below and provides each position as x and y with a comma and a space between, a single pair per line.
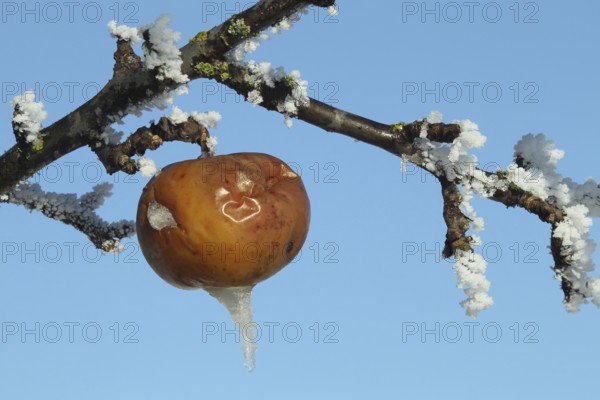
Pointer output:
223, 221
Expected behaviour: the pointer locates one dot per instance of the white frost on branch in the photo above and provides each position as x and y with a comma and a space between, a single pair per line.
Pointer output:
470, 270
238, 53
298, 97
534, 172
287, 22
264, 74
211, 143
162, 53
578, 249
207, 119
178, 116
333, 10
538, 175
146, 166
124, 32
476, 222
469, 138
539, 158
153, 101
452, 161
110, 137
76, 211
587, 194
28, 116
254, 97
160, 101
434, 117
113, 246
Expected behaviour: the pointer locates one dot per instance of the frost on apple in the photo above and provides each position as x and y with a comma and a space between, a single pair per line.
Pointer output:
238, 301
160, 216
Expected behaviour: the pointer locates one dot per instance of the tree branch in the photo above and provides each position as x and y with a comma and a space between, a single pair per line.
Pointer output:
135, 87
129, 89
118, 157
75, 211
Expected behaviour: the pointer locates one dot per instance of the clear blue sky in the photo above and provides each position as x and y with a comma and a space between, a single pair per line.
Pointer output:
345, 320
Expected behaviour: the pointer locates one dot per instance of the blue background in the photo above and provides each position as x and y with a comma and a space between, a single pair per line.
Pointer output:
370, 272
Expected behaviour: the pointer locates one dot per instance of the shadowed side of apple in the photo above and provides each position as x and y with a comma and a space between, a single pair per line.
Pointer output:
223, 224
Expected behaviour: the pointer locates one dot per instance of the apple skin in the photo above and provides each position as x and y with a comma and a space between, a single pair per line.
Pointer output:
240, 219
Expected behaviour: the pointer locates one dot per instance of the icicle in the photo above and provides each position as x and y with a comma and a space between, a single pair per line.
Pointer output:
238, 301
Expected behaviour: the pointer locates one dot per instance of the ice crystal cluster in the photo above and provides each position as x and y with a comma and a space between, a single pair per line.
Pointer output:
28, 117
264, 74
534, 156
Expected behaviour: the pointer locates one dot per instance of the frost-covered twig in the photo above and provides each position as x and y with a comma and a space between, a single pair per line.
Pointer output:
134, 88
563, 203
570, 243
457, 224
27, 121
468, 265
118, 157
161, 52
442, 149
78, 212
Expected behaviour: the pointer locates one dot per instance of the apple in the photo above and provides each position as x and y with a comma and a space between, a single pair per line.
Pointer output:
222, 221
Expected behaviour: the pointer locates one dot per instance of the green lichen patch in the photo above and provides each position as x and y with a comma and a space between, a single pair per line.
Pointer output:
397, 128
200, 37
205, 69
38, 144
218, 69
239, 28
290, 81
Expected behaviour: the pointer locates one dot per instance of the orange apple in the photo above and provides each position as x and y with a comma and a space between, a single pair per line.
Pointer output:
222, 221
